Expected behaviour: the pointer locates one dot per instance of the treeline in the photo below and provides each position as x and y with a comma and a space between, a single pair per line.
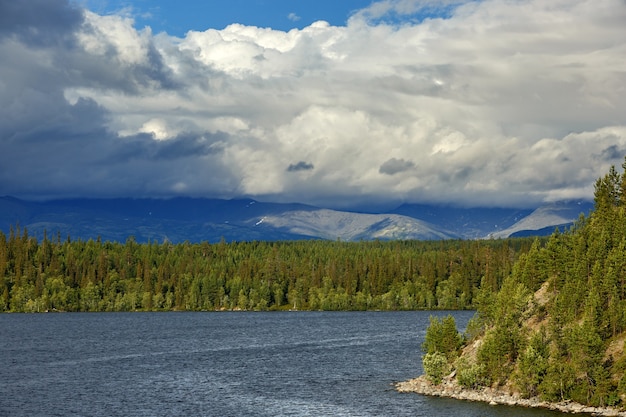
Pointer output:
556, 329
65, 275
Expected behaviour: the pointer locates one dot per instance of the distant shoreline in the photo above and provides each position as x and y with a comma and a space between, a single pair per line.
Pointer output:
450, 389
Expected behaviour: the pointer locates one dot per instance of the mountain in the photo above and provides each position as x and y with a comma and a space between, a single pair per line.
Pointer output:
195, 220
174, 220
546, 218
332, 224
486, 222
470, 223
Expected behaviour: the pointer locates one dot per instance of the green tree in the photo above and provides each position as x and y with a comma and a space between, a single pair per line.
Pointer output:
533, 364
442, 336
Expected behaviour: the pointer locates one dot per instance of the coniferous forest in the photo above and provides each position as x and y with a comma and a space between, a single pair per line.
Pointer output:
556, 329
58, 274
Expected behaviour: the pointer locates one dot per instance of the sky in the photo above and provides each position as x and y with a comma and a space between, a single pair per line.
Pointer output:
338, 104
176, 17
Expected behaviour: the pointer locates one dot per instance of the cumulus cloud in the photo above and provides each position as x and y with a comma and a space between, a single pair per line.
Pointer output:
300, 166
475, 103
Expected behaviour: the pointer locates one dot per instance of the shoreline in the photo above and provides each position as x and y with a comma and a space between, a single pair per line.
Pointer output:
450, 389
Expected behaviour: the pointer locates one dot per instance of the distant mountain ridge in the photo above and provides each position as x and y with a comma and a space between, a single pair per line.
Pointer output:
194, 220
549, 216
332, 224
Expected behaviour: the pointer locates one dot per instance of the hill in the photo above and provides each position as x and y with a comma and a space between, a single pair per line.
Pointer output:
196, 220
555, 330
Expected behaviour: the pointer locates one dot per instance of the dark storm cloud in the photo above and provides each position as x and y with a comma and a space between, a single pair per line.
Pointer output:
300, 166
189, 145
144, 147
395, 166
38, 22
612, 153
100, 163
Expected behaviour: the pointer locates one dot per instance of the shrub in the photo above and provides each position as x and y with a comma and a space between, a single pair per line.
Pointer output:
469, 375
435, 366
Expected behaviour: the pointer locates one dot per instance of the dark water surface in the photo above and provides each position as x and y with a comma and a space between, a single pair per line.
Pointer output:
220, 364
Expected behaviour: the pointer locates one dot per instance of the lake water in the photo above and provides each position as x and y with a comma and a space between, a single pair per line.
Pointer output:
220, 364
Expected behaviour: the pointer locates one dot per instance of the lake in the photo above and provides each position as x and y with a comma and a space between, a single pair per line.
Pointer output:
220, 364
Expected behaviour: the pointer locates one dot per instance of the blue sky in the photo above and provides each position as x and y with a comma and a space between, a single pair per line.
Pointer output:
177, 17
348, 103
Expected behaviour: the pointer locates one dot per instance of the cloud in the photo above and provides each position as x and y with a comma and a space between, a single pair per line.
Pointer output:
300, 166
613, 152
293, 17
475, 103
394, 166
400, 10
39, 23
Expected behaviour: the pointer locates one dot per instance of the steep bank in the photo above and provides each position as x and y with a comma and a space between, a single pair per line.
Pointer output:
449, 388
551, 334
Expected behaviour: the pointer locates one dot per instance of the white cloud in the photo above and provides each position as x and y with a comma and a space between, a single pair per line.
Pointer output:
156, 127
491, 102
114, 36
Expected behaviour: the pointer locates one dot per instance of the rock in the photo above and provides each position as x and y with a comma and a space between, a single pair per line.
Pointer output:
451, 389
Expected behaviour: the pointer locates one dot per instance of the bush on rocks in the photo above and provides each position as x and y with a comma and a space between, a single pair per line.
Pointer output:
435, 366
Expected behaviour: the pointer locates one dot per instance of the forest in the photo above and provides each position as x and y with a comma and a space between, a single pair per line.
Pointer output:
557, 326
59, 274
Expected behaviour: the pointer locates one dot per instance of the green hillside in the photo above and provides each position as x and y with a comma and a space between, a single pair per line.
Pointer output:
556, 328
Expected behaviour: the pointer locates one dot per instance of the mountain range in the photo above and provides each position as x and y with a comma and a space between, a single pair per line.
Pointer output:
195, 220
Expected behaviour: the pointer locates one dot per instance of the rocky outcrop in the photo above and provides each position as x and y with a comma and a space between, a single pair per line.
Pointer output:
450, 389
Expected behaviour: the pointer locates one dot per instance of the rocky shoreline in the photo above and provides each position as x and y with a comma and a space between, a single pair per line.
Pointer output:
450, 389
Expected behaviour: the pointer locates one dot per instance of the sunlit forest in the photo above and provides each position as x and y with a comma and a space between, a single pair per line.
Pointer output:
556, 329
61, 274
